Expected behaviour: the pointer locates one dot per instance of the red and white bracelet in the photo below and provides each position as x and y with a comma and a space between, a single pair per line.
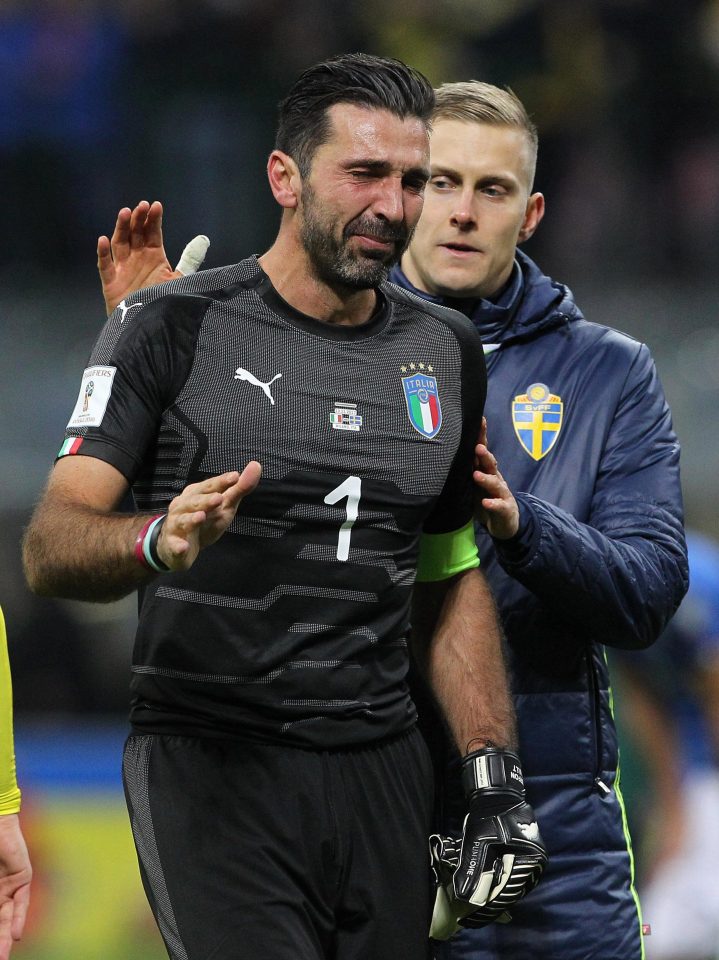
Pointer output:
146, 545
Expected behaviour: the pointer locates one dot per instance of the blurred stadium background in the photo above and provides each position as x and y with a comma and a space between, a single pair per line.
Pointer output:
103, 105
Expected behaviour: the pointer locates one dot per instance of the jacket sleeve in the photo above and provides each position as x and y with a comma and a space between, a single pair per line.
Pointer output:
620, 576
9, 791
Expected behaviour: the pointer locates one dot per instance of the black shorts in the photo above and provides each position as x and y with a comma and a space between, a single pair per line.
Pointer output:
252, 851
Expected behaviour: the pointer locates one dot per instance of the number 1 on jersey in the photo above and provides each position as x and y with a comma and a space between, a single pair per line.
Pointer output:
352, 489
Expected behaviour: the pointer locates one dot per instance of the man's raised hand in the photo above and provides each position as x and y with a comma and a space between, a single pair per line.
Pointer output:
134, 257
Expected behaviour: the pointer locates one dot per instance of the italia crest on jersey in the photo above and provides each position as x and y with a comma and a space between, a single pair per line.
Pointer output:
537, 417
423, 406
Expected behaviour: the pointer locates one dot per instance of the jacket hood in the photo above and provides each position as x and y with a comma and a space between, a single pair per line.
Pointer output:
531, 302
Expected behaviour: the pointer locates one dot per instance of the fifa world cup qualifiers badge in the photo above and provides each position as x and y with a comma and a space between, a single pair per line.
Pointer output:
421, 394
92, 400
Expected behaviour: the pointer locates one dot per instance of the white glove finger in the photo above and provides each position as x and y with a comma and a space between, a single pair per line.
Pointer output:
491, 882
507, 865
444, 919
524, 876
193, 255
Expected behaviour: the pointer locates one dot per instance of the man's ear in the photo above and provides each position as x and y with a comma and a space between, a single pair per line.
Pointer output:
285, 179
532, 216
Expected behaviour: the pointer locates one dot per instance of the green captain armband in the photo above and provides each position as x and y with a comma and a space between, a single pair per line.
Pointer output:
442, 555
9, 792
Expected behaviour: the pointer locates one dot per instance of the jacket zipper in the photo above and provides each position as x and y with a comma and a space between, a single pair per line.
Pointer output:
596, 706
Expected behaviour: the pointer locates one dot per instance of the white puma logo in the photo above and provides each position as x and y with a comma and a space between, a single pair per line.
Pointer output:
125, 310
242, 374
529, 830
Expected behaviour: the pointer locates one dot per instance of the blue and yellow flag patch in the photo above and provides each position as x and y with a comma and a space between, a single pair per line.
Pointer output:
537, 418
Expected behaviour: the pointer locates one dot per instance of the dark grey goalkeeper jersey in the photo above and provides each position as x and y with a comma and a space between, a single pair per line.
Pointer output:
293, 626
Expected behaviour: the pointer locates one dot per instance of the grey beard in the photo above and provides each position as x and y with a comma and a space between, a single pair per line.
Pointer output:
335, 264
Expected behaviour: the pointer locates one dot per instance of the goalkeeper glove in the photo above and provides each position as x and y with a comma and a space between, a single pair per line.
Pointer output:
450, 914
502, 856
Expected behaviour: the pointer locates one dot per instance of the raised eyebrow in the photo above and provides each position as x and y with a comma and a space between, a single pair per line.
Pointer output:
497, 178
444, 172
486, 181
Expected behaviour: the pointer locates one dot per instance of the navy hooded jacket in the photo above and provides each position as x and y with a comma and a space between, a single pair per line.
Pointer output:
582, 433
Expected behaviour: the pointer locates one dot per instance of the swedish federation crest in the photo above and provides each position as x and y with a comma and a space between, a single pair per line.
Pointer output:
423, 406
537, 417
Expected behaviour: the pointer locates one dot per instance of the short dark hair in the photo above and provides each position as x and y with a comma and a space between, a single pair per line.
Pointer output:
359, 78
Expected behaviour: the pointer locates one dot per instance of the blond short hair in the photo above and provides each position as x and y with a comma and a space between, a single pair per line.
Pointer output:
473, 101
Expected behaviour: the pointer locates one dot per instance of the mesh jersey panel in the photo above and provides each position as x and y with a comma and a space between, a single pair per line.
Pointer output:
293, 626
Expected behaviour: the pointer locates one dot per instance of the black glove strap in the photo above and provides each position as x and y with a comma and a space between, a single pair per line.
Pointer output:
492, 778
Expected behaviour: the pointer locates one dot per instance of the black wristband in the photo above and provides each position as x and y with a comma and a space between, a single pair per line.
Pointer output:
494, 777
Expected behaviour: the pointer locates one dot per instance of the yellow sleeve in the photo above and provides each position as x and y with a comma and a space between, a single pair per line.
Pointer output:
442, 555
9, 792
